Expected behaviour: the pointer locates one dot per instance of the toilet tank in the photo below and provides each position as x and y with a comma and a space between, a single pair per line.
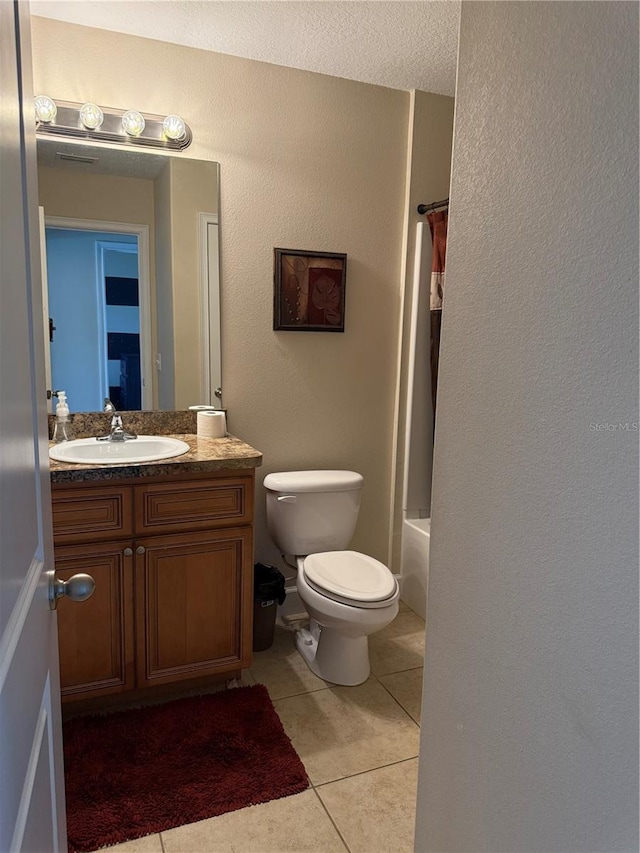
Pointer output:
312, 511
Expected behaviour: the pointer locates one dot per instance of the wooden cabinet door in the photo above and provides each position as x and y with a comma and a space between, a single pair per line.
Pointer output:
96, 637
194, 604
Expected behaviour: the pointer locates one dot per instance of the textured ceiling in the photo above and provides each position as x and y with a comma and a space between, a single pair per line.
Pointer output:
403, 45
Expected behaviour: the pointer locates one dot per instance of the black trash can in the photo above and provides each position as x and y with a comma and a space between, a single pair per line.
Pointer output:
268, 593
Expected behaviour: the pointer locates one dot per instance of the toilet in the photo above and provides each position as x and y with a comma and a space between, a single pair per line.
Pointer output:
311, 516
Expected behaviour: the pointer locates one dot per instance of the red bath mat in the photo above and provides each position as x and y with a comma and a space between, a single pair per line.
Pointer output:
139, 772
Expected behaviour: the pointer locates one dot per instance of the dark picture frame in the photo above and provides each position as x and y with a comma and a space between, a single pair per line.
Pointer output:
309, 291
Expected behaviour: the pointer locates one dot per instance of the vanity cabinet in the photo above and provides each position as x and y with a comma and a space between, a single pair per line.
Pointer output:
173, 566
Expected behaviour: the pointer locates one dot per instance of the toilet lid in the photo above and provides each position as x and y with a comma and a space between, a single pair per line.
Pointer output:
350, 575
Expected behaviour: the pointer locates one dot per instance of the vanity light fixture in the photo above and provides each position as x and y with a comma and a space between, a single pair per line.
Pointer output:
91, 116
46, 109
102, 124
133, 123
174, 127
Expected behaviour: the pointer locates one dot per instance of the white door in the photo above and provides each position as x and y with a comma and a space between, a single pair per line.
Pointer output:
32, 815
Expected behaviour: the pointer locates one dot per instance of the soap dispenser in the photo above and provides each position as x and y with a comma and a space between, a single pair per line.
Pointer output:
62, 428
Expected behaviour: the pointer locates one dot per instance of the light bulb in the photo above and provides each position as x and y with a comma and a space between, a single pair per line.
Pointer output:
174, 127
133, 123
91, 116
46, 109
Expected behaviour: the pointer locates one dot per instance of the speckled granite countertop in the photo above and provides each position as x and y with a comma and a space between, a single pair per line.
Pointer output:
204, 454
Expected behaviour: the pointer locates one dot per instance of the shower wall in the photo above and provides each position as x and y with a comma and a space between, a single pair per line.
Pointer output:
428, 170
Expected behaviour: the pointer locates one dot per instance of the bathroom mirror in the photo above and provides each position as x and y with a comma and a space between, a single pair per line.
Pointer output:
132, 295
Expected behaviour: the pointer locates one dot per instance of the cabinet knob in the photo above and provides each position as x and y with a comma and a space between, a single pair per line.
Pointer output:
140, 549
77, 588
128, 552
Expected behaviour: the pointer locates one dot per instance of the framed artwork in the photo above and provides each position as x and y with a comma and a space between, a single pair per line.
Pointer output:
309, 289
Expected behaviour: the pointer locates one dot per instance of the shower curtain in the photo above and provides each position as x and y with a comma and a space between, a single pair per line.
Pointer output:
438, 221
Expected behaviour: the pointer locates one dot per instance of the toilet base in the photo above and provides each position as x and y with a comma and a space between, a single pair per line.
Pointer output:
333, 656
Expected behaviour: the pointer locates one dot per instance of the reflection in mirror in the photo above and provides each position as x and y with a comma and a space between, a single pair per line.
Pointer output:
132, 276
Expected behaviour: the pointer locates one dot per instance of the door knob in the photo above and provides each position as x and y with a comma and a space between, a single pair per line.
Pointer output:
128, 552
140, 549
77, 588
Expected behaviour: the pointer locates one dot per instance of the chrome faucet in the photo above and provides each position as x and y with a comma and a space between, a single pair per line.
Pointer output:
117, 431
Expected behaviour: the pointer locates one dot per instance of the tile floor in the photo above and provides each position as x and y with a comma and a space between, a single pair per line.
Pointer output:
359, 746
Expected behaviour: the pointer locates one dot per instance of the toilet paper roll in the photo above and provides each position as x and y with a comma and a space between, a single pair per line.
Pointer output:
211, 424
203, 409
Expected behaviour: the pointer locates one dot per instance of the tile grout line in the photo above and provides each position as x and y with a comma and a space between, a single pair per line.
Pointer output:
329, 686
294, 695
398, 671
329, 815
384, 687
361, 772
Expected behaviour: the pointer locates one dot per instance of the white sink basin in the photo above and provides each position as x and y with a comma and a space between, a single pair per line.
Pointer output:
144, 448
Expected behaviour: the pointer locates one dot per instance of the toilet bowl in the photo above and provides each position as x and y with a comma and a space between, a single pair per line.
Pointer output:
336, 648
311, 515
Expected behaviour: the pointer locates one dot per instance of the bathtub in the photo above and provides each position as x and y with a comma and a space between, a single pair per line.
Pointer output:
416, 535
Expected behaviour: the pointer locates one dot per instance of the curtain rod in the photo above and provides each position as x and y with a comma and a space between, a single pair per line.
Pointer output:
425, 208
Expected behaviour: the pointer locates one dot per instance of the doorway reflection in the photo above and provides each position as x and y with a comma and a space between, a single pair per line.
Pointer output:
95, 329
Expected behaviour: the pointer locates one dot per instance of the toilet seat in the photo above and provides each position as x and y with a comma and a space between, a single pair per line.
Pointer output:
350, 578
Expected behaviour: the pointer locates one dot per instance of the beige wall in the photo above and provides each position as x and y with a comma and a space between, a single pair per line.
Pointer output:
309, 162
529, 739
109, 198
